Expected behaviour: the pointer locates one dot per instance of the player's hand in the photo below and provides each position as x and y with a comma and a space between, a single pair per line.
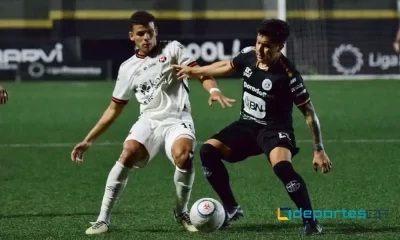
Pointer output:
79, 150
3, 95
184, 71
218, 96
396, 47
322, 160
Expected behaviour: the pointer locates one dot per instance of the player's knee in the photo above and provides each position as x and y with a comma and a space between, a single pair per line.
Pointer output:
209, 153
132, 154
183, 157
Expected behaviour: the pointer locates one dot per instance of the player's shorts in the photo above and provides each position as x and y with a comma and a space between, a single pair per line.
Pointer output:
246, 138
154, 134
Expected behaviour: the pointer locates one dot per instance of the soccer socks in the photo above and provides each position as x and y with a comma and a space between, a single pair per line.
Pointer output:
217, 175
116, 182
183, 179
295, 185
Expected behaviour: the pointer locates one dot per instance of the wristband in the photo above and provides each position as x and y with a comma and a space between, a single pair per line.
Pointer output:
214, 89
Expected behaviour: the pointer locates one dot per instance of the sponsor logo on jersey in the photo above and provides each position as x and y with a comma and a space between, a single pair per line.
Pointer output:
267, 84
149, 66
247, 72
253, 105
256, 90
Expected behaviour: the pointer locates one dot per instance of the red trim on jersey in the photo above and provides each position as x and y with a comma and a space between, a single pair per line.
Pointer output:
138, 55
193, 64
116, 100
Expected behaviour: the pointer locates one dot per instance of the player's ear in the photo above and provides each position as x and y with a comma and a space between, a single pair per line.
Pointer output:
281, 45
155, 31
131, 36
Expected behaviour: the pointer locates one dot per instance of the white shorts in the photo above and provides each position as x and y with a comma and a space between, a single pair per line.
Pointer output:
154, 133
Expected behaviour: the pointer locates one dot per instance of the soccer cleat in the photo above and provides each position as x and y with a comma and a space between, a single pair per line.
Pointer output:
312, 228
233, 215
97, 228
184, 220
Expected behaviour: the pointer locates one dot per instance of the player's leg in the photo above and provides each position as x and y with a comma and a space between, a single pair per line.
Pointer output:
138, 149
233, 144
280, 147
180, 144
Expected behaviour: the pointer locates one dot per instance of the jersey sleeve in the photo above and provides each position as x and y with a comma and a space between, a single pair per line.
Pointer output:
123, 89
298, 90
182, 55
238, 62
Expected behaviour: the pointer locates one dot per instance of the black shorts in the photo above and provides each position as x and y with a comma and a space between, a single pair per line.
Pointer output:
246, 138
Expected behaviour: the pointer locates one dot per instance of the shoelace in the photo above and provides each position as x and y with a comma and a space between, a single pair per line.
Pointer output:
98, 225
185, 217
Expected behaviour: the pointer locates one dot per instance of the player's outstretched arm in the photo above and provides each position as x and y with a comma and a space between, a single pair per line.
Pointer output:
3, 95
109, 116
221, 68
320, 157
210, 85
396, 41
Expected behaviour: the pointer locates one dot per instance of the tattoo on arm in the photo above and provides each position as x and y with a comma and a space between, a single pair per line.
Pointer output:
313, 123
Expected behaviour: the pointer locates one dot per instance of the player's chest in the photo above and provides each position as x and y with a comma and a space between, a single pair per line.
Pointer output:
151, 74
262, 84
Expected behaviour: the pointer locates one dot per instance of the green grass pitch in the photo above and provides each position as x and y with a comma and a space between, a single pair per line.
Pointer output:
43, 195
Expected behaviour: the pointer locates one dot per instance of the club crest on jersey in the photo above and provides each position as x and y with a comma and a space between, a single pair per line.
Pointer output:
267, 84
162, 59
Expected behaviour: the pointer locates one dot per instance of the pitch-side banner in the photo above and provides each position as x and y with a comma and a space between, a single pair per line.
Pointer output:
14, 52
69, 71
352, 58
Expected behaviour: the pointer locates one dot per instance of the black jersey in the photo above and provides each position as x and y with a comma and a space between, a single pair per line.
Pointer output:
268, 95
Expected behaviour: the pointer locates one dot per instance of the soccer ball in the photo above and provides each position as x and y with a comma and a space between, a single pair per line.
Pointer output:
207, 215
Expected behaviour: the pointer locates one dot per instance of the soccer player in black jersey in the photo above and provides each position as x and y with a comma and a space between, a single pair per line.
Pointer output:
271, 84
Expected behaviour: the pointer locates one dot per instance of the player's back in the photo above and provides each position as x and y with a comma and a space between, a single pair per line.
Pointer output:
155, 84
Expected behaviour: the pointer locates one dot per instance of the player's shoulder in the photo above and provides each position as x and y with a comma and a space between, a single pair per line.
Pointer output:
247, 52
287, 67
249, 49
173, 46
129, 62
128, 67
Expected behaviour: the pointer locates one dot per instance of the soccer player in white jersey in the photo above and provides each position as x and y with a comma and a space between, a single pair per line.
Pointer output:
165, 120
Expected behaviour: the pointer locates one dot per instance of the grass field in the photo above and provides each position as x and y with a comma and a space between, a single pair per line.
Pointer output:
45, 196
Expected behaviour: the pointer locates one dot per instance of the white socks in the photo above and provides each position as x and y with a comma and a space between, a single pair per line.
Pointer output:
116, 182
183, 180
118, 178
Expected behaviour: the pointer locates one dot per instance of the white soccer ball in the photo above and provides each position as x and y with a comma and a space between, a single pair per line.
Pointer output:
207, 215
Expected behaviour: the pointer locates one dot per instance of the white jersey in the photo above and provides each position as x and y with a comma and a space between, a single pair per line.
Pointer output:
154, 83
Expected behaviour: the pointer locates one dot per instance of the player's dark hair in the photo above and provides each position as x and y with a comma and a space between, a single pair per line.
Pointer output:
141, 18
277, 30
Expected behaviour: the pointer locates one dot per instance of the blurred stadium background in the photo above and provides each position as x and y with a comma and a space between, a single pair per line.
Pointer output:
59, 59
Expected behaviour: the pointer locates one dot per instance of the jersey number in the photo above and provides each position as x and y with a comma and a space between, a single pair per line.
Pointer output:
186, 126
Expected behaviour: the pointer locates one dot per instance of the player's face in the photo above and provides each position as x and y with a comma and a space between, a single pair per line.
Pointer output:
266, 50
144, 37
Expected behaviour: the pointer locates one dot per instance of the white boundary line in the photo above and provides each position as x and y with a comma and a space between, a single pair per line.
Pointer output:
61, 145
351, 77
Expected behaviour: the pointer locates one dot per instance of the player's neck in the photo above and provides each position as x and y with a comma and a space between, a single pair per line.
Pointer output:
141, 53
266, 65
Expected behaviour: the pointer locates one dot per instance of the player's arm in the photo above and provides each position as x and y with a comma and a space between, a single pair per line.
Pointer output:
3, 95
121, 95
185, 60
396, 41
320, 157
302, 100
313, 124
221, 68
210, 85
113, 111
